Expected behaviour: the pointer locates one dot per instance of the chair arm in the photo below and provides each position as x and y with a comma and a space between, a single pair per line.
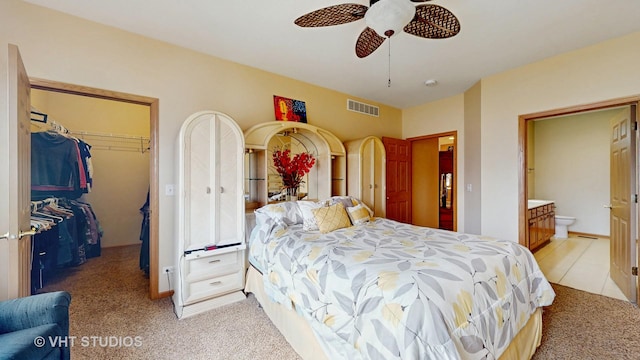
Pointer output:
35, 310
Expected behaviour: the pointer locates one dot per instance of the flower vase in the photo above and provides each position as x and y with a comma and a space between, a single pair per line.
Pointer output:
291, 193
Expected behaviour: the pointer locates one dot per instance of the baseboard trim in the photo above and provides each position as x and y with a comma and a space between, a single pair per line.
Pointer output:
165, 294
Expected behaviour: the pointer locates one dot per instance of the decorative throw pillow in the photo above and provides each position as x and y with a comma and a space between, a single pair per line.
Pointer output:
346, 201
308, 220
358, 214
331, 218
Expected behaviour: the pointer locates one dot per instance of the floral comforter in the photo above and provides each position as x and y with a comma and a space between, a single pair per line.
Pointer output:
388, 290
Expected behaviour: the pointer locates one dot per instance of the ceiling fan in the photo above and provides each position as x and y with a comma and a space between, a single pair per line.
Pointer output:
384, 18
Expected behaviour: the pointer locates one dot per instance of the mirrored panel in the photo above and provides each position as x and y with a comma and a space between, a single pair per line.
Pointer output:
298, 143
446, 182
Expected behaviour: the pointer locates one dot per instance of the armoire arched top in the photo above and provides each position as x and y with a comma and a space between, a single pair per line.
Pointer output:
257, 137
326, 178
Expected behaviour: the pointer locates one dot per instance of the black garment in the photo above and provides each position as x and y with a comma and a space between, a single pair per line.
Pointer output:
144, 237
45, 257
54, 162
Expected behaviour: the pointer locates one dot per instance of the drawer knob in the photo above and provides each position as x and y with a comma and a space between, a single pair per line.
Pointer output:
216, 283
214, 261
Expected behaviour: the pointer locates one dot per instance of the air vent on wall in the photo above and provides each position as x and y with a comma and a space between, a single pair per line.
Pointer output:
362, 108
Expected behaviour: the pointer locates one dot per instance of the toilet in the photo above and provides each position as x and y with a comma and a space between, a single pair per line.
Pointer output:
562, 222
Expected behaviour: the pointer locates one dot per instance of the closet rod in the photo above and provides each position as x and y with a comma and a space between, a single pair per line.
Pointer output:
108, 135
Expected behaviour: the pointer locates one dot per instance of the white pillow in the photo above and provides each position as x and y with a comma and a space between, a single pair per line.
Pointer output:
308, 219
287, 212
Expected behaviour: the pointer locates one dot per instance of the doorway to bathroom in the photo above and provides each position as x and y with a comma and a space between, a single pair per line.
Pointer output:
567, 156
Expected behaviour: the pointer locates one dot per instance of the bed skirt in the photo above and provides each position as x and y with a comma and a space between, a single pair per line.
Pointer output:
300, 336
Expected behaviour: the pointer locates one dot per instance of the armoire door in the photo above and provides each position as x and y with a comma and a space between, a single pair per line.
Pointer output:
368, 166
230, 160
367, 172
379, 175
199, 229
212, 171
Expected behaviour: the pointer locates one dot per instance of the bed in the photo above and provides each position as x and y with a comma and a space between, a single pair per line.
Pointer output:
373, 288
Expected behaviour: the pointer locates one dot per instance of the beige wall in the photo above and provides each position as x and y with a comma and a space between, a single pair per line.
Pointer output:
471, 184
571, 167
437, 117
604, 71
59, 47
121, 167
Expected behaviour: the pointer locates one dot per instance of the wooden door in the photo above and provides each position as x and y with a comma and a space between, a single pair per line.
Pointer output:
623, 229
15, 189
425, 201
398, 169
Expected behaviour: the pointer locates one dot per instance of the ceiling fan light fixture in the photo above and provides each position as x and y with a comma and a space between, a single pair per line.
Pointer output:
388, 17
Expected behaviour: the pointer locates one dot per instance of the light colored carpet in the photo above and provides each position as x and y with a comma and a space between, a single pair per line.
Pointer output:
110, 303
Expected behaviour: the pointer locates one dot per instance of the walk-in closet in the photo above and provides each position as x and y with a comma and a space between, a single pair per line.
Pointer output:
89, 185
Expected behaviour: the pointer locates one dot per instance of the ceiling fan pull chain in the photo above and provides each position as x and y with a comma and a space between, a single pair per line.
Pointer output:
389, 82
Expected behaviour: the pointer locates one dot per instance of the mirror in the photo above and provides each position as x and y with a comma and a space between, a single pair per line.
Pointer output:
298, 143
446, 181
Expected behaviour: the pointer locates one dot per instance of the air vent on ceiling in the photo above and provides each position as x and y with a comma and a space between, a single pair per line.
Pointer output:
362, 108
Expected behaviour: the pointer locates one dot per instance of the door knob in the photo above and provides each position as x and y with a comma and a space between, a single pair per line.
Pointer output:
608, 206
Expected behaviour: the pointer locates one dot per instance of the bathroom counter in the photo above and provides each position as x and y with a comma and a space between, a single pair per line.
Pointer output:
541, 221
534, 203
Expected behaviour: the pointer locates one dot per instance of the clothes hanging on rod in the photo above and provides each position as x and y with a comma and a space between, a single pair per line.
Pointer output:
59, 166
67, 234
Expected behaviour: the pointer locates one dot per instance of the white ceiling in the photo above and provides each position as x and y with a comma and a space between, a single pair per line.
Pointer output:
495, 35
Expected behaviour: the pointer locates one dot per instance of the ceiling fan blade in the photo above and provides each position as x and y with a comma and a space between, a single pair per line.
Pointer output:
368, 42
433, 22
332, 15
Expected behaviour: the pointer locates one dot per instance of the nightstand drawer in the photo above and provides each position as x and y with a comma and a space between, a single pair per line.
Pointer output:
213, 265
215, 286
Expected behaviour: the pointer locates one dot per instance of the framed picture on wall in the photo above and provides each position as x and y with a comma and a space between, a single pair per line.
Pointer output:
289, 109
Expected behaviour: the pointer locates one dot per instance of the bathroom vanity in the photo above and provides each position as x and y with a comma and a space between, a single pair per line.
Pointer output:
541, 217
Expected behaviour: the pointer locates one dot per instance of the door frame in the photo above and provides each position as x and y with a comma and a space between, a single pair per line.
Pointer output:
153, 103
454, 188
523, 234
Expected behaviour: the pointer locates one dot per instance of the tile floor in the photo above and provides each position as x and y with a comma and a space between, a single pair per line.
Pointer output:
580, 263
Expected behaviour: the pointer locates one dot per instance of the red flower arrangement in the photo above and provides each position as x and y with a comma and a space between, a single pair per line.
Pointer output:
292, 170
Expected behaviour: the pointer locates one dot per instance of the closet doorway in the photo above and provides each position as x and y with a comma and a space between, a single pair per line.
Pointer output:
434, 179
110, 142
